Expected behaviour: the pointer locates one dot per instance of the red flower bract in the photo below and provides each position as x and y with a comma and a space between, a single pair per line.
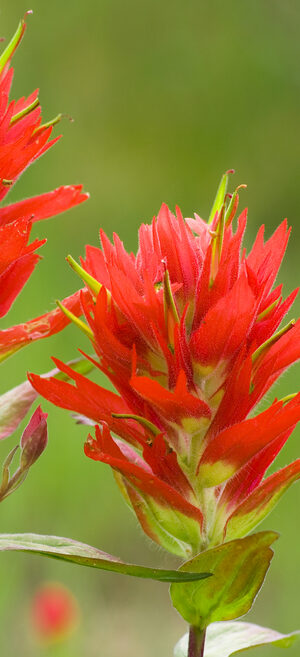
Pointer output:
188, 333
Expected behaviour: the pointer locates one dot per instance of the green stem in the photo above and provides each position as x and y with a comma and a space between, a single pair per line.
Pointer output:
196, 642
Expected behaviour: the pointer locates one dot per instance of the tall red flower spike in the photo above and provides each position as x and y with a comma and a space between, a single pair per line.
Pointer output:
188, 333
23, 138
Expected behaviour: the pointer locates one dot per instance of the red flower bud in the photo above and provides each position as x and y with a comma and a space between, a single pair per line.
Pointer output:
34, 438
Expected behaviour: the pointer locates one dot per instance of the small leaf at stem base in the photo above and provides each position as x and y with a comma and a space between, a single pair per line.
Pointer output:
228, 639
239, 568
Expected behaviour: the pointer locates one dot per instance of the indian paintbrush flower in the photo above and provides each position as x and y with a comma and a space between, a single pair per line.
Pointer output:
23, 139
188, 333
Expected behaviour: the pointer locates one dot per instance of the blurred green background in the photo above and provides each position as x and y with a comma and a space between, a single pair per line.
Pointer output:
166, 96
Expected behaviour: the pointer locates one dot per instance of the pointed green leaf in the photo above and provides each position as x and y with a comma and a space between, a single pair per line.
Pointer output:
239, 568
228, 639
84, 555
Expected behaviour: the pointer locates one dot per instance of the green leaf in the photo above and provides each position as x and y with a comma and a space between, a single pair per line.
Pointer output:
239, 568
228, 639
66, 549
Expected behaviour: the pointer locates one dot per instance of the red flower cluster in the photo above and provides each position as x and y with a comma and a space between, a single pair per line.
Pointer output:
23, 139
187, 332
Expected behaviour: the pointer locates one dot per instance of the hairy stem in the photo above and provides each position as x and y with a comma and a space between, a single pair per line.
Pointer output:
196, 642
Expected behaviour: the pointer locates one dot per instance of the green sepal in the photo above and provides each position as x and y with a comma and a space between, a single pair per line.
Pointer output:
239, 568
229, 639
90, 281
220, 196
66, 549
172, 530
13, 44
233, 205
76, 320
20, 115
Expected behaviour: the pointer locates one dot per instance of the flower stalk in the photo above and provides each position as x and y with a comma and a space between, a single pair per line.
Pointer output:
196, 642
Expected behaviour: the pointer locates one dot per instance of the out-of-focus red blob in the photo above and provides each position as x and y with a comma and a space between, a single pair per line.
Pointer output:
54, 612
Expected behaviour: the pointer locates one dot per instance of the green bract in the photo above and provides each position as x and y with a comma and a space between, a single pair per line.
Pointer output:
239, 568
